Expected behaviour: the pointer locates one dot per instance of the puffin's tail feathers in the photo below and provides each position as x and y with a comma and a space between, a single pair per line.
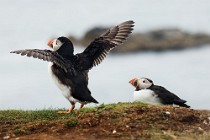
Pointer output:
93, 100
181, 103
89, 98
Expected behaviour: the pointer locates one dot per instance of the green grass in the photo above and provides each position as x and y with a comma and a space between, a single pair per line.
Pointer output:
20, 116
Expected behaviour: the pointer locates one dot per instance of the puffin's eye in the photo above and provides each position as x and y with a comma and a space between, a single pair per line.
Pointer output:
143, 81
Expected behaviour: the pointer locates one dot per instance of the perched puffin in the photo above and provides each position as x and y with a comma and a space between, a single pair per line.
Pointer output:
69, 71
149, 93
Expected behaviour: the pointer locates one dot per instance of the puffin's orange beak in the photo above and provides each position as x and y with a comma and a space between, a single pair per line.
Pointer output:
50, 43
133, 80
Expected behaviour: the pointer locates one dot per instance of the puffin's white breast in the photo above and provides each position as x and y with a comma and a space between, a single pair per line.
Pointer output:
146, 96
66, 90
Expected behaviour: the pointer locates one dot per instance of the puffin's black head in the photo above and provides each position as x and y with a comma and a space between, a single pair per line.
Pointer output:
63, 46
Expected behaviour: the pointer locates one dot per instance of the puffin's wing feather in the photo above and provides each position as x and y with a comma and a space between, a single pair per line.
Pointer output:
167, 97
101, 46
47, 55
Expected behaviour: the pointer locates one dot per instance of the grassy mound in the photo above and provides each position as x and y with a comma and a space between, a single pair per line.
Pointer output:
113, 121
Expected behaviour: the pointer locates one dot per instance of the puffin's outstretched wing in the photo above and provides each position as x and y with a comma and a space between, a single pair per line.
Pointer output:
101, 46
48, 55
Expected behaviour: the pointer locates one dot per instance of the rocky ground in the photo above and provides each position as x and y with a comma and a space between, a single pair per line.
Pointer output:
108, 122
158, 40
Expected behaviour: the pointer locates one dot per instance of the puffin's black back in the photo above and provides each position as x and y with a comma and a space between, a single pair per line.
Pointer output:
67, 49
167, 97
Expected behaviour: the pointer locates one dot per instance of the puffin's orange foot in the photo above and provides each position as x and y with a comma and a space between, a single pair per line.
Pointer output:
63, 112
67, 112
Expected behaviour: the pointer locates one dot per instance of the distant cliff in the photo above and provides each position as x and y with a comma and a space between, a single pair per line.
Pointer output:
158, 40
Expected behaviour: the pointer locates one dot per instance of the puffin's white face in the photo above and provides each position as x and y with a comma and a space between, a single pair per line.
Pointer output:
55, 44
144, 83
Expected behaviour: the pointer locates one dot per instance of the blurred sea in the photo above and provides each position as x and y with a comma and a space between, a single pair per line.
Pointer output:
26, 84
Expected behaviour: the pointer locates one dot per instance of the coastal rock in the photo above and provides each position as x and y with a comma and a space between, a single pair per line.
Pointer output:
157, 40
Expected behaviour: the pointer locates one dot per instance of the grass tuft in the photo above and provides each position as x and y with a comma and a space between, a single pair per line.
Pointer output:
71, 123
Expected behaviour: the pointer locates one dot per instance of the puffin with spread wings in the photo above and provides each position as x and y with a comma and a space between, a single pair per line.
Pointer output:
69, 71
